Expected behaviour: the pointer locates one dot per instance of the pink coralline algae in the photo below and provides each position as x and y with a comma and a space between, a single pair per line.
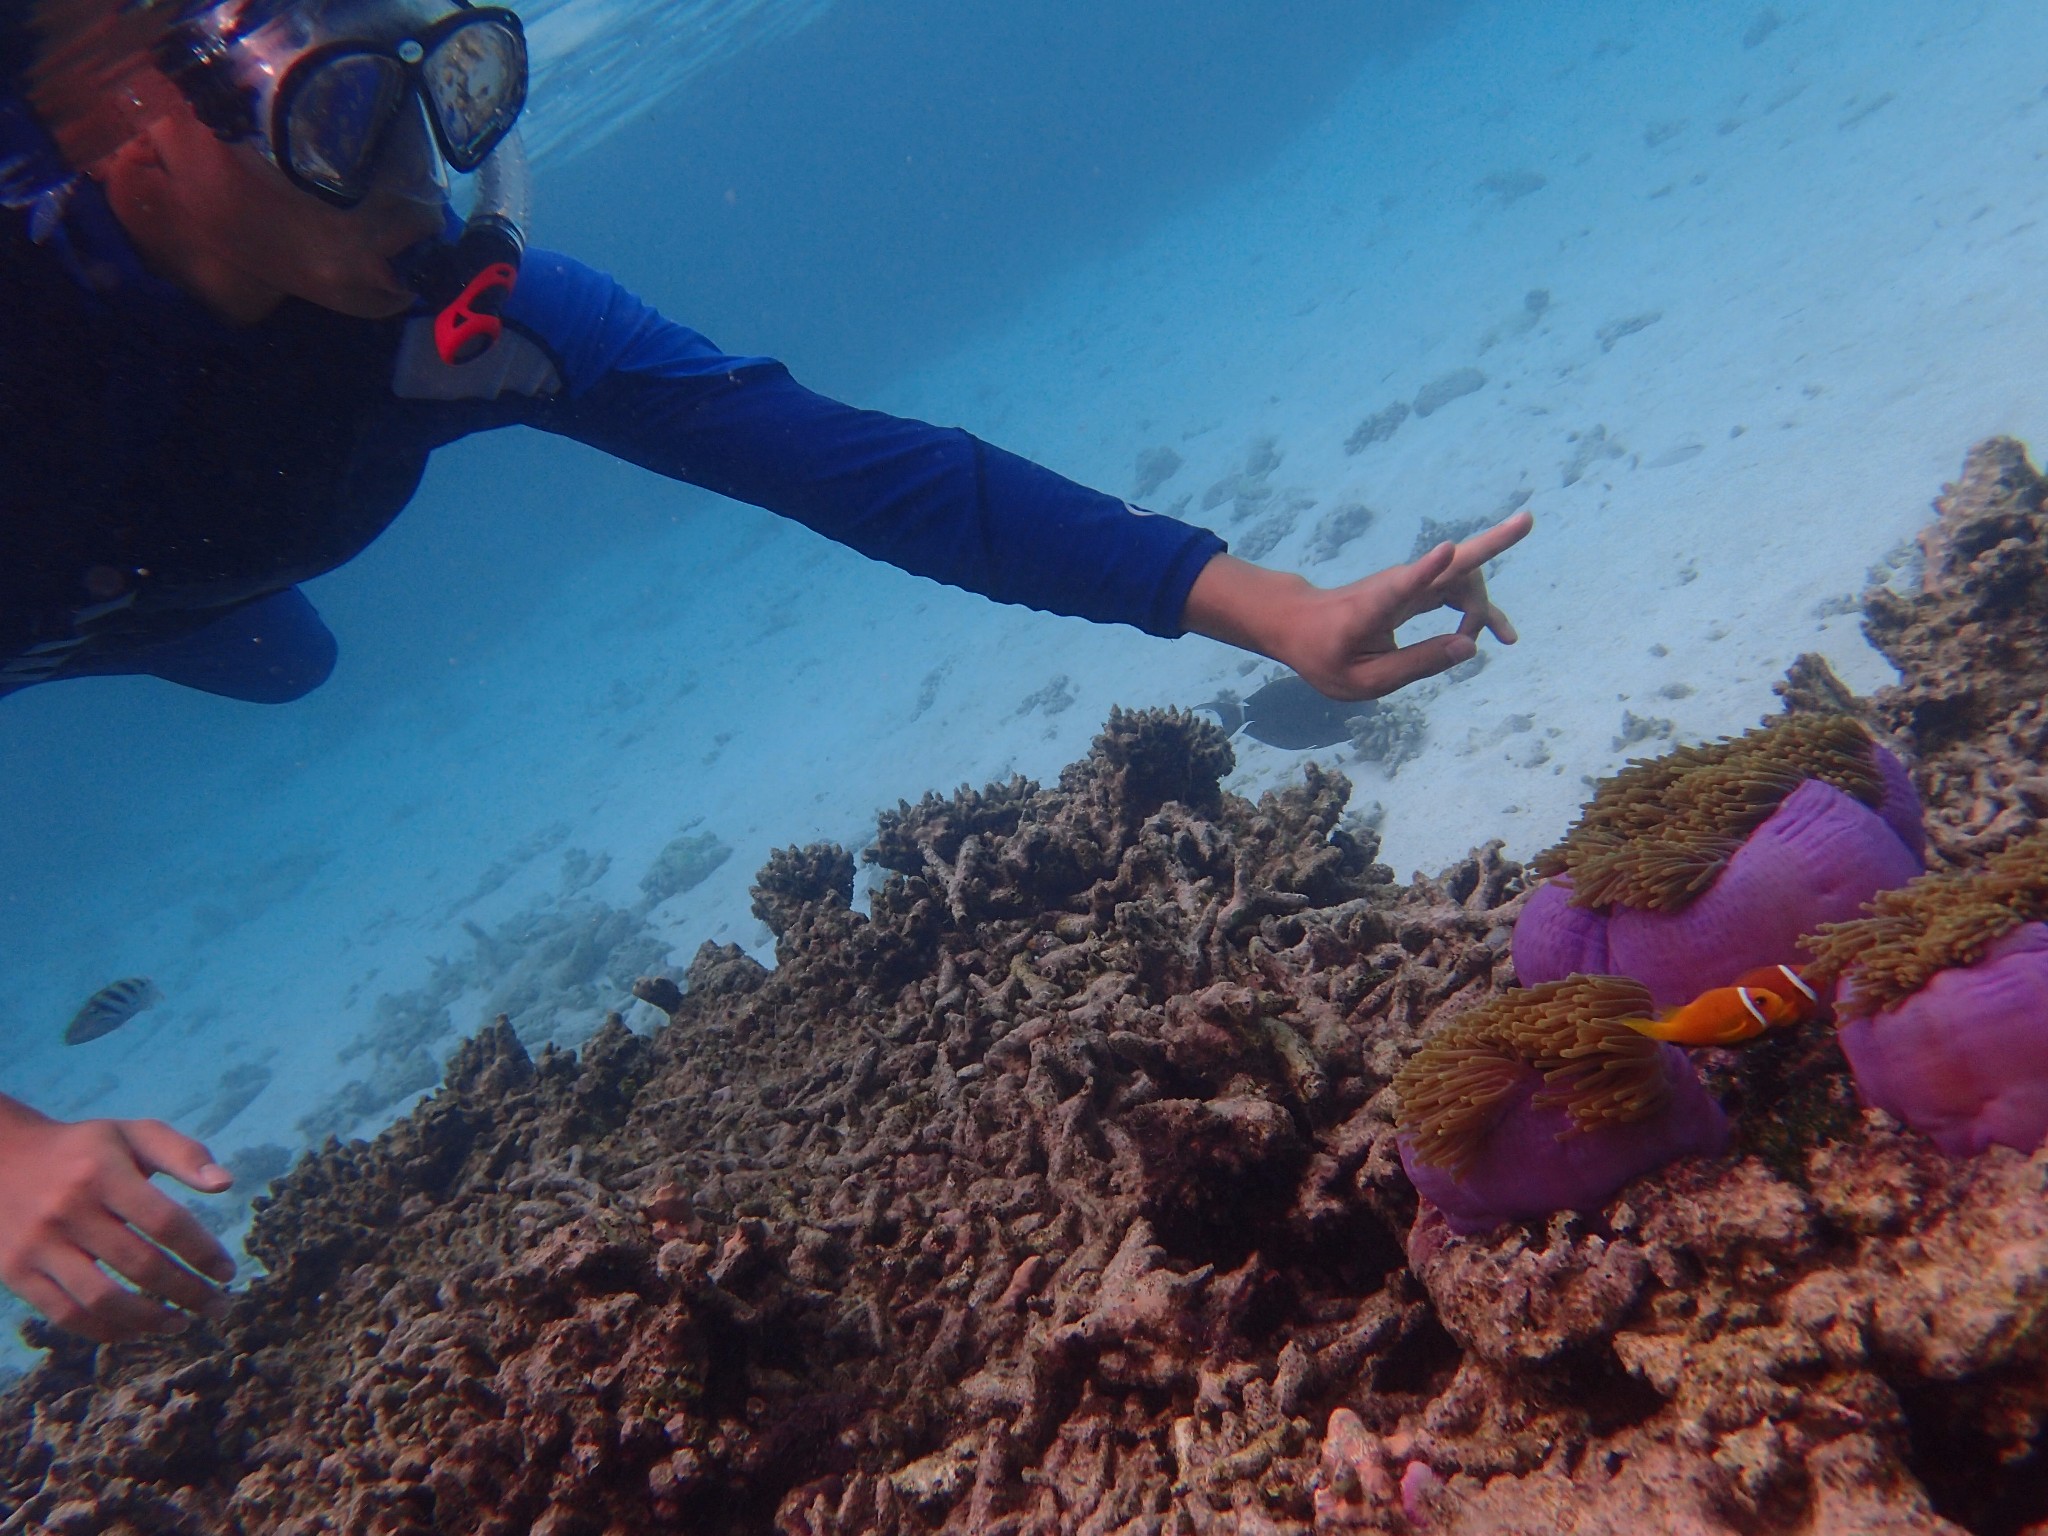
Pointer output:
1818, 857
1965, 1059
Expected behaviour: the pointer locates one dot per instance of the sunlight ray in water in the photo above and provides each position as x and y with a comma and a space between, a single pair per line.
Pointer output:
600, 64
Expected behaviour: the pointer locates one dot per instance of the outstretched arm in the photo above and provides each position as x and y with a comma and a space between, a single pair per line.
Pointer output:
934, 501
941, 503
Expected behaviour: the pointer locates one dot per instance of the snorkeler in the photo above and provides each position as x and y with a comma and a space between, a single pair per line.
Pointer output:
240, 315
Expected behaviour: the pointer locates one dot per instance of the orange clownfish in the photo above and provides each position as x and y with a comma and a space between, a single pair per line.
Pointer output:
1760, 1000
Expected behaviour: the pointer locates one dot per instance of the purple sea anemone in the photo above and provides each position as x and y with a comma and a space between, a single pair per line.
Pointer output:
1692, 886
1534, 1161
1544, 1100
1965, 1059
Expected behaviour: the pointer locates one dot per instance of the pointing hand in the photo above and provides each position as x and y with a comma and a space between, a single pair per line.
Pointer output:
1341, 639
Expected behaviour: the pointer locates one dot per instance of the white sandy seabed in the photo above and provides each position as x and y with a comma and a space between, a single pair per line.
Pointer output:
1790, 279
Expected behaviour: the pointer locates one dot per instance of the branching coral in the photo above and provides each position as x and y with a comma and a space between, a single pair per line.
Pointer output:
1658, 833
794, 878
1935, 923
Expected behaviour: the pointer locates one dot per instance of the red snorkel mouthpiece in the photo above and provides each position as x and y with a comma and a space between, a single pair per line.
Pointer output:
469, 327
486, 264
466, 285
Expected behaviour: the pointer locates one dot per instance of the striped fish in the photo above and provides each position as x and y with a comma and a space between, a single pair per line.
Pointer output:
111, 1007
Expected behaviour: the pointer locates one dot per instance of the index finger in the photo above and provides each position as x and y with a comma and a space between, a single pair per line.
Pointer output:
1474, 552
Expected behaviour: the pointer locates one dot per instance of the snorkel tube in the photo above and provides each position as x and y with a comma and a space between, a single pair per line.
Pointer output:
466, 283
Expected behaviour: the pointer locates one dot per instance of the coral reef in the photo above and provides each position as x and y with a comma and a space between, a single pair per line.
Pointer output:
1247, 489
1378, 427
1687, 870
1545, 1100
1452, 531
1060, 1192
1389, 732
689, 859
1156, 466
1971, 706
1251, 494
1855, 1349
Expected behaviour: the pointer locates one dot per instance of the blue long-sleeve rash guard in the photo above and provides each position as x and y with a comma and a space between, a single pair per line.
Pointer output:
164, 469
934, 501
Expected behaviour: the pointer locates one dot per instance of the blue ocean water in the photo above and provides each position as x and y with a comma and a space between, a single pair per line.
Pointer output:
1789, 262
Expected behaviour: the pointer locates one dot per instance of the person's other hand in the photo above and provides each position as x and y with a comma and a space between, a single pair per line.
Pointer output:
1341, 639
76, 1195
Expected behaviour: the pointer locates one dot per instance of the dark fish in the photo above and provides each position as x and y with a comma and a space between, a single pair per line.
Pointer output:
1288, 713
111, 1007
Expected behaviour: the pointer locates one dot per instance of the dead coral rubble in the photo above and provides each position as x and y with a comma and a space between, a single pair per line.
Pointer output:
1971, 705
1059, 1193
1037, 1191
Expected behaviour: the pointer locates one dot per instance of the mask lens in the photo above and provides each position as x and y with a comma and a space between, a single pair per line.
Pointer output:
475, 83
336, 120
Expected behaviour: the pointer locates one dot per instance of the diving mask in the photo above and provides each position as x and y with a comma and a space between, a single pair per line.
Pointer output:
349, 97
343, 96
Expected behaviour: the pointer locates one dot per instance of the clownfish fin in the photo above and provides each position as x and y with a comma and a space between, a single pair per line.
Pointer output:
1658, 1029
